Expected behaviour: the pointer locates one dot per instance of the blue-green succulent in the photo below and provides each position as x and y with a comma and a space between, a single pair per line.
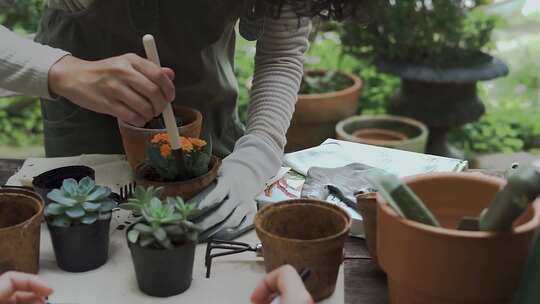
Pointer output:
78, 203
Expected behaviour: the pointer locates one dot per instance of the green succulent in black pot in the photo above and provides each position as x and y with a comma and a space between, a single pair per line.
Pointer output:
162, 242
78, 217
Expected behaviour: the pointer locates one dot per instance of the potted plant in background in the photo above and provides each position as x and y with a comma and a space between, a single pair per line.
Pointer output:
134, 139
384, 130
436, 48
182, 174
78, 219
162, 242
21, 212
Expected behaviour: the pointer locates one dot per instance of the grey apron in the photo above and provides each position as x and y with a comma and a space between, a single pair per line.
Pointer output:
194, 38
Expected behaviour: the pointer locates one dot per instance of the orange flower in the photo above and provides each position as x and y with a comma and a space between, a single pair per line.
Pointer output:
186, 145
199, 143
160, 138
165, 150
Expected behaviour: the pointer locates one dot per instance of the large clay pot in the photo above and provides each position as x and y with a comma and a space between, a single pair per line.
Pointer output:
135, 139
384, 130
185, 189
427, 264
20, 226
316, 115
305, 234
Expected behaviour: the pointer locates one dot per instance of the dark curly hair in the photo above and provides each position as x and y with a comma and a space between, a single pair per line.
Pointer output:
329, 9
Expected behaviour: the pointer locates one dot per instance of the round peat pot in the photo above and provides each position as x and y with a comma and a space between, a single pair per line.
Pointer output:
367, 205
163, 272
441, 265
52, 179
20, 226
385, 131
305, 234
135, 139
81, 248
146, 176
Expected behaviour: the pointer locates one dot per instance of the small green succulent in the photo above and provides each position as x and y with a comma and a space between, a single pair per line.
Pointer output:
80, 203
164, 224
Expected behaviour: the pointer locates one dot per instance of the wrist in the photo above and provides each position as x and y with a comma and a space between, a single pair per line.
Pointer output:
60, 73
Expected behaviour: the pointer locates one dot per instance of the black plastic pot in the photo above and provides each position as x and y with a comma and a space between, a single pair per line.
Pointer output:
47, 181
81, 248
163, 272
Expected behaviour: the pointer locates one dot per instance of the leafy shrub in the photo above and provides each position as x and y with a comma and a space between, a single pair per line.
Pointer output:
20, 121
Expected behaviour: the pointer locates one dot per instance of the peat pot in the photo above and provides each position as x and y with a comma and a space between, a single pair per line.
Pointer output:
367, 206
135, 139
20, 225
146, 176
430, 265
385, 131
315, 115
83, 247
163, 272
53, 179
305, 234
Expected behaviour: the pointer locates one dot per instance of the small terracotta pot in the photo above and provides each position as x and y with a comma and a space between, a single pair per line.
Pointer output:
305, 234
185, 189
20, 226
135, 139
316, 115
367, 205
427, 264
385, 131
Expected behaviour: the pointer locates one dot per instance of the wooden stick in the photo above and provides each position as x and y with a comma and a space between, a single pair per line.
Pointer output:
168, 114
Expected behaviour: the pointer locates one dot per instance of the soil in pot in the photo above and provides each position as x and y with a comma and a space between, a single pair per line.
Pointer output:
484, 267
20, 226
163, 272
385, 131
53, 179
135, 139
317, 112
305, 234
83, 247
146, 176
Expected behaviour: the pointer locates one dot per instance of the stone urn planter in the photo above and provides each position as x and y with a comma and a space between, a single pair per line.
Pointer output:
20, 225
146, 176
384, 130
305, 234
441, 98
135, 139
427, 264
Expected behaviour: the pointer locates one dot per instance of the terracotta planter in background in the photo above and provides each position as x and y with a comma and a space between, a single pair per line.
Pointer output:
135, 139
367, 205
316, 115
305, 234
385, 131
185, 189
433, 265
20, 226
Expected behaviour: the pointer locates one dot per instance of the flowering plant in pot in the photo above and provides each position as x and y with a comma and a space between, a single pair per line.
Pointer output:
78, 218
181, 173
162, 242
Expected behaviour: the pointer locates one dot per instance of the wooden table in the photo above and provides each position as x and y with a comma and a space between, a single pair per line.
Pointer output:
363, 283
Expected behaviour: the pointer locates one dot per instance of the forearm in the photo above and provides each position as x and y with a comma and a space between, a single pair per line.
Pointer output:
278, 73
25, 64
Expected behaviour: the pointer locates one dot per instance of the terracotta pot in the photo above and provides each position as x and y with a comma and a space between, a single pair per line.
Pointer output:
434, 265
316, 115
305, 234
135, 139
386, 131
367, 205
185, 189
20, 226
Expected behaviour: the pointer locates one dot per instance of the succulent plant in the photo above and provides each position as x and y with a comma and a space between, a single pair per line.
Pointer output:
164, 224
78, 203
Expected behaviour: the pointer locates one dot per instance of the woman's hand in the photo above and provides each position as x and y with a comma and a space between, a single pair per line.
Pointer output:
284, 282
17, 288
128, 87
